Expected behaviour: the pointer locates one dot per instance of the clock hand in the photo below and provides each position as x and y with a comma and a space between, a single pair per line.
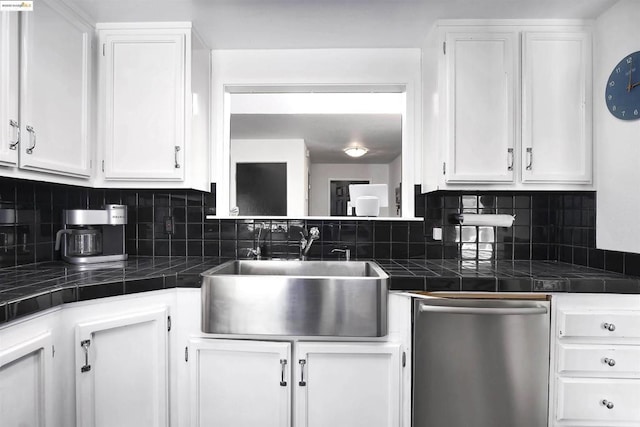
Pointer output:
634, 85
629, 86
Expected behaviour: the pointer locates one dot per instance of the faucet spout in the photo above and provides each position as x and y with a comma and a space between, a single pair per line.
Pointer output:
347, 253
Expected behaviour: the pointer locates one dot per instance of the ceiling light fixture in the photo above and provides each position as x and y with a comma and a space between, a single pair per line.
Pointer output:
355, 151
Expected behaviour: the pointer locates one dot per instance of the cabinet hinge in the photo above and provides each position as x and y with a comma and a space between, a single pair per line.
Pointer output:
103, 166
103, 49
404, 359
53, 351
168, 323
186, 354
444, 168
444, 48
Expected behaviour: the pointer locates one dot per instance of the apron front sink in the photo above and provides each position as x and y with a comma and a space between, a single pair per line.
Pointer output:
295, 298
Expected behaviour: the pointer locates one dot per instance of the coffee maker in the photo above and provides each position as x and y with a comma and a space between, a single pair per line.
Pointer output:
90, 235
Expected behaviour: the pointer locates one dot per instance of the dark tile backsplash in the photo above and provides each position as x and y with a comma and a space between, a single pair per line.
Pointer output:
548, 226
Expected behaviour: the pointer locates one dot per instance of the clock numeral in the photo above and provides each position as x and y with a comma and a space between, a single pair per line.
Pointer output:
623, 112
612, 83
610, 97
629, 60
614, 108
618, 70
635, 112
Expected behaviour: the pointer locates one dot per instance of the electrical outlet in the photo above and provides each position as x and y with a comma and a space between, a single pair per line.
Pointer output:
437, 233
169, 225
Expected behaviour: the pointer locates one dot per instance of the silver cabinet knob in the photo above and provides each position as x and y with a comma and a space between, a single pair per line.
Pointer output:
609, 326
608, 404
609, 362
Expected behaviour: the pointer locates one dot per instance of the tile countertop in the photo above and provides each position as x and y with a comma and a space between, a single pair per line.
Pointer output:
31, 288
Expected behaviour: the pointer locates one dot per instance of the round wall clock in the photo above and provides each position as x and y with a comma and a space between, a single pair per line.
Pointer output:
623, 88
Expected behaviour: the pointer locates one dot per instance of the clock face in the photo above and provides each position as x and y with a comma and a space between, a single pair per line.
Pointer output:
623, 88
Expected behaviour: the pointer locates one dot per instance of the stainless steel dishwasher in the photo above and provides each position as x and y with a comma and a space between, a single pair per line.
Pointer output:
480, 363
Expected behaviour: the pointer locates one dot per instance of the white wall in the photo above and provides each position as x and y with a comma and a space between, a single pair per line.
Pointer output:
351, 68
617, 142
323, 173
395, 178
290, 151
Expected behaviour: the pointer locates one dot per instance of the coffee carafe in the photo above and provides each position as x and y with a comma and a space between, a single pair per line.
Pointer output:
93, 235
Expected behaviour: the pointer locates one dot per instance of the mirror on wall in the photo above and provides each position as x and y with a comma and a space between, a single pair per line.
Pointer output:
295, 154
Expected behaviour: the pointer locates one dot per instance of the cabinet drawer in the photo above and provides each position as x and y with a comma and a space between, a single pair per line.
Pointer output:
581, 399
599, 324
610, 360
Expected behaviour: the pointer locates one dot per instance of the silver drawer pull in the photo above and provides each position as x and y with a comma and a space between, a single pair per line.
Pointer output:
609, 362
283, 366
608, 404
16, 126
609, 326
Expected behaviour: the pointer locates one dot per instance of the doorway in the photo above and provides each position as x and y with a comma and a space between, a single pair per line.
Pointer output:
339, 196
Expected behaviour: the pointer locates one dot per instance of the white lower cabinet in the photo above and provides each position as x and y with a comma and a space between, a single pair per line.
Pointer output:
141, 360
29, 390
595, 361
347, 384
26, 381
121, 369
240, 383
237, 383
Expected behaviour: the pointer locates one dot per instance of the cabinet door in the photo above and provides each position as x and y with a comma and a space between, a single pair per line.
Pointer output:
25, 382
9, 88
240, 383
143, 102
556, 118
347, 384
54, 95
480, 133
122, 370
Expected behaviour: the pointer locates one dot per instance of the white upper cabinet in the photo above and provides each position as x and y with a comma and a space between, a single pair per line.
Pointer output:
144, 101
9, 88
153, 105
481, 71
55, 86
512, 107
556, 113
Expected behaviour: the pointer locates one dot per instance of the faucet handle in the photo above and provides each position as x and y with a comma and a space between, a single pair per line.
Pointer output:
255, 253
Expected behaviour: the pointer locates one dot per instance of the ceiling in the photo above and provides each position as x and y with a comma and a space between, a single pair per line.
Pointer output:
284, 24
326, 135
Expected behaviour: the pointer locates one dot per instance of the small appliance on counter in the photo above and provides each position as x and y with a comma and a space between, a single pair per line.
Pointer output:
91, 235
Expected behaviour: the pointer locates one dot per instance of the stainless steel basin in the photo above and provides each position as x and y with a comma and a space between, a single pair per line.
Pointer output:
305, 298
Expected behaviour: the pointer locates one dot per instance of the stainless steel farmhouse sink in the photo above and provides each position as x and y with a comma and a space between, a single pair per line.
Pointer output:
304, 298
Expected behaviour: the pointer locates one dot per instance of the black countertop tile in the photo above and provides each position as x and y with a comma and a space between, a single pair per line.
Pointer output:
33, 287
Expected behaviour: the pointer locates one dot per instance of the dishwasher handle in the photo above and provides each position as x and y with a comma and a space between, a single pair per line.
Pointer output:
481, 310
